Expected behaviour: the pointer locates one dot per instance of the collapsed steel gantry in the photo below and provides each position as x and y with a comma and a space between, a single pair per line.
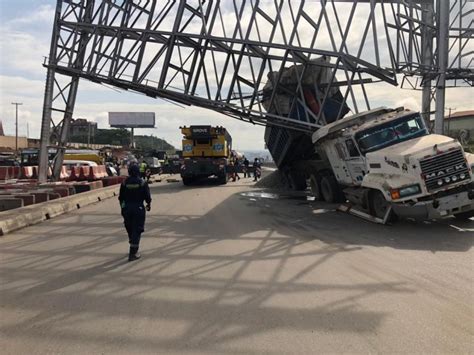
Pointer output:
216, 54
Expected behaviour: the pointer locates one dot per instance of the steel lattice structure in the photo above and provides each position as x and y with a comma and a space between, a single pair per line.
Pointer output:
217, 54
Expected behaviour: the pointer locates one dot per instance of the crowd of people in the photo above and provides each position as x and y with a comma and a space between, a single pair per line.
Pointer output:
243, 164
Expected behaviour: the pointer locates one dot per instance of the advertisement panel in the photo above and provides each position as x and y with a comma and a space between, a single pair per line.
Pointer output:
132, 119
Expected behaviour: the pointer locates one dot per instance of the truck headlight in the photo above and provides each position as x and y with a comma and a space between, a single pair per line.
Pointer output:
405, 191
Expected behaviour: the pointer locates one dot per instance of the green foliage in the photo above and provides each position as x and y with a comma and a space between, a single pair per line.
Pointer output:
122, 137
152, 143
112, 136
105, 136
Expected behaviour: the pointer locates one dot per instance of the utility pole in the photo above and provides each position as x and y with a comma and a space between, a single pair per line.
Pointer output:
88, 134
16, 124
449, 120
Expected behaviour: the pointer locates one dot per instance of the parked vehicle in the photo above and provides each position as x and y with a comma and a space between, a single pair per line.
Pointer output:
206, 152
153, 164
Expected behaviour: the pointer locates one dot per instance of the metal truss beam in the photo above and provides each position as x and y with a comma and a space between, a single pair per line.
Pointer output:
219, 54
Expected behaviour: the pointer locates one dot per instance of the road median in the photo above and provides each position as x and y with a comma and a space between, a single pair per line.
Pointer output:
18, 218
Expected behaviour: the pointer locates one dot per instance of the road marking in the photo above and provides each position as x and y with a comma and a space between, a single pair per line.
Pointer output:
461, 229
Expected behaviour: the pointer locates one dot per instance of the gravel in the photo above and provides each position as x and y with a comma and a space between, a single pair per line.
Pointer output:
272, 180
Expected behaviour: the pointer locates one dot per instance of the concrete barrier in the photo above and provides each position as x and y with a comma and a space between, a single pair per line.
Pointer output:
10, 203
27, 198
30, 215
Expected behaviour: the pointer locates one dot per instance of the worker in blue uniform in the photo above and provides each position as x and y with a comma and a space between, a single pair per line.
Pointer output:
133, 192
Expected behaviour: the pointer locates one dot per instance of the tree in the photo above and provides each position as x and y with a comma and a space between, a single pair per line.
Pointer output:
152, 143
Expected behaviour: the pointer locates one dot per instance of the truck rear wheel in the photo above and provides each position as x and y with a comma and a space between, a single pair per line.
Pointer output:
464, 216
330, 190
285, 179
187, 180
297, 181
222, 179
315, 185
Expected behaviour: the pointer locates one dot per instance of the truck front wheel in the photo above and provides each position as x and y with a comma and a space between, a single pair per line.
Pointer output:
330, 190
379, 206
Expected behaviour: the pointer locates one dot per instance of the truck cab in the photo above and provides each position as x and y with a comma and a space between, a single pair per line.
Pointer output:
387, 159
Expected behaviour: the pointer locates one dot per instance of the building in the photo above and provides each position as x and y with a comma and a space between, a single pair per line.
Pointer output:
1, 129
8, 143
83, 130
460, 125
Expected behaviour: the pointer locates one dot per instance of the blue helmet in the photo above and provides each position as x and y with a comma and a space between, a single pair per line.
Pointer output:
133, 170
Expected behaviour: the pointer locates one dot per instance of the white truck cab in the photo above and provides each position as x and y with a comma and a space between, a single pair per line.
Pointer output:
387, 158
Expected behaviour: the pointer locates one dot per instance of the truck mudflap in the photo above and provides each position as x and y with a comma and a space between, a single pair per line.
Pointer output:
437, 208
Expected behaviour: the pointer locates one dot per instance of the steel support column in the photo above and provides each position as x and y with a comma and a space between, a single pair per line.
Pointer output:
43, 159
443, 51
427, 58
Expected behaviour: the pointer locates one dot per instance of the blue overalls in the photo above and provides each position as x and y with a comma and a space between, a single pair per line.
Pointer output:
133, 192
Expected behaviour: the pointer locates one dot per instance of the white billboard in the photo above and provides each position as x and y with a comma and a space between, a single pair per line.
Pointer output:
132, 119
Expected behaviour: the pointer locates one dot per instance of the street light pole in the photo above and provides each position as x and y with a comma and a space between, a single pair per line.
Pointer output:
16, 124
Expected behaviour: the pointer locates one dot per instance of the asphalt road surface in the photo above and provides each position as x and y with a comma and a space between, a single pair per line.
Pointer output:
229, 270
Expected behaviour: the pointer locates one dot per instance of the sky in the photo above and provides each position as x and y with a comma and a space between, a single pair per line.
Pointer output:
25, 27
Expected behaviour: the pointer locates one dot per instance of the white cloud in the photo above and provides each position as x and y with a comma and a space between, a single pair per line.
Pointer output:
25, 40
44, 14
22, 52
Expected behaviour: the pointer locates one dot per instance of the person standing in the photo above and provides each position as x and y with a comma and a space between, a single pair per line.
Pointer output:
143, 167
257, 169
133, 192
246, 168
236, 168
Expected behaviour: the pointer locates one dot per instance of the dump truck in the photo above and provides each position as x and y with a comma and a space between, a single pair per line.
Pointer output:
386, 164
206, 153
380, 164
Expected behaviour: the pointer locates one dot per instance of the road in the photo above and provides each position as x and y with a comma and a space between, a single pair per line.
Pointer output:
229, 270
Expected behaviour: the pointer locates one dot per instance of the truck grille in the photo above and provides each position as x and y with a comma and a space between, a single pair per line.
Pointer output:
444, 169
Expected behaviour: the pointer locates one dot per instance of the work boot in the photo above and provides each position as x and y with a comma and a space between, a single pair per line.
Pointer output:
134, 254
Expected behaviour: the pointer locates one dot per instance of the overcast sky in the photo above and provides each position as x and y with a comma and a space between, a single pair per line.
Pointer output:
24, 42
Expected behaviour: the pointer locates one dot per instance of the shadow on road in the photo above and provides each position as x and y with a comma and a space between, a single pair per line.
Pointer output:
216, 278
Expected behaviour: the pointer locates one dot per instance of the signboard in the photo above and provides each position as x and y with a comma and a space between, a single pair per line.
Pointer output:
132, 119
200, 131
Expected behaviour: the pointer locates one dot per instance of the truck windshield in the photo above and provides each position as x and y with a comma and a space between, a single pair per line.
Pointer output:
391, 133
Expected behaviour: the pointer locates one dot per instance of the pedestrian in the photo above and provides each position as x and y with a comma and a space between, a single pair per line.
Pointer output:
257, 169
246, 168
143, 167
231, 170
236, 168
133, 192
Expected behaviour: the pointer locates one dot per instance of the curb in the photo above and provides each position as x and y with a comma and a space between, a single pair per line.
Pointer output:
27, 216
